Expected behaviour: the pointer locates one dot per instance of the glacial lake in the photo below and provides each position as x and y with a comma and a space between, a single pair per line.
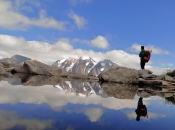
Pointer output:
81, 106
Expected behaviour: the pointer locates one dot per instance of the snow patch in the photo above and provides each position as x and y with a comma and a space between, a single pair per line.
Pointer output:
61, 61
87, 63
101, 69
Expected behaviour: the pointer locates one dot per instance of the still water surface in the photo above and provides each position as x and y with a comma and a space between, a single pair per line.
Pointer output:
79, 106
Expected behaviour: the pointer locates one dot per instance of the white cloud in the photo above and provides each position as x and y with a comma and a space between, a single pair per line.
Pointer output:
62, 45
12, 19
100, 42
4, 54
79, 20
10, 41
155, 50
94, 114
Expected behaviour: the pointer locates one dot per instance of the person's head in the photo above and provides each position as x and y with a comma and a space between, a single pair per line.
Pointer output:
137, 118
142, 47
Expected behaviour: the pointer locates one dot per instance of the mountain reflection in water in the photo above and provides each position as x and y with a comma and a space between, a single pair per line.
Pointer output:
29, 104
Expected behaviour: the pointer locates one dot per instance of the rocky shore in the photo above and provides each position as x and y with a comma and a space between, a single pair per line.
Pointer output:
35, 70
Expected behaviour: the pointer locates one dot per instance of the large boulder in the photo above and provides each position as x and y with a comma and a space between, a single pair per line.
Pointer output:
38, 68
120, 75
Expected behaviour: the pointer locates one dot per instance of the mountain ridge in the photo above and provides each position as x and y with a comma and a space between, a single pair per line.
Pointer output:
85, 65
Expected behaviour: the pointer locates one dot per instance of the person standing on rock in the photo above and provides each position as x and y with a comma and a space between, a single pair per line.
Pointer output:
141, 55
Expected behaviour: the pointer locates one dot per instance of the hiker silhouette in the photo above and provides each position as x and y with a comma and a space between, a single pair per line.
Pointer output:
141, 55
141, 109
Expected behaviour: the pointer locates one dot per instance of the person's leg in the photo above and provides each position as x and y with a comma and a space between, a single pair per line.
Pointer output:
142, 63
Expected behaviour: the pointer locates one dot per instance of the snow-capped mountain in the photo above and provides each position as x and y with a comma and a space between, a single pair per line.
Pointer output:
65, 64
85, 65
83, 89
81, 65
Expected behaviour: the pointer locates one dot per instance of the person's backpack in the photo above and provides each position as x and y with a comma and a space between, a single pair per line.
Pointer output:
143, 111
147, 55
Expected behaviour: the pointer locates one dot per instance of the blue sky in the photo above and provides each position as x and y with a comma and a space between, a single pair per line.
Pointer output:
51, 30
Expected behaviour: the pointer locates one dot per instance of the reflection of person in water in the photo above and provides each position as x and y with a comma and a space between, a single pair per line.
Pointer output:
141, 110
